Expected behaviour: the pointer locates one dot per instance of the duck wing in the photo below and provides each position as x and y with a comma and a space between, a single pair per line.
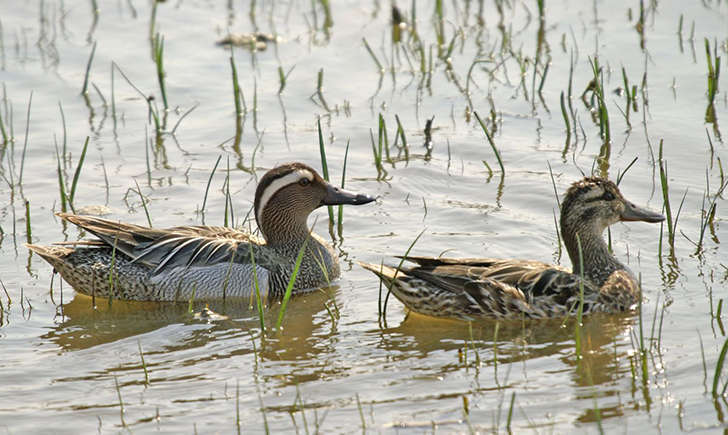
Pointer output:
182, 246
503, 286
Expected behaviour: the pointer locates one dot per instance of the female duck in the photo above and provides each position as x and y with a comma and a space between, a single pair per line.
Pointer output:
472, 288
208, 262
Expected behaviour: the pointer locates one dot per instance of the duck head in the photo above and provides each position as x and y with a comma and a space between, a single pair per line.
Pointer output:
287, 194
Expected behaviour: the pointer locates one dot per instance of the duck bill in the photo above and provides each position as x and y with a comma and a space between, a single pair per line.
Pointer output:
633, 212
336, 196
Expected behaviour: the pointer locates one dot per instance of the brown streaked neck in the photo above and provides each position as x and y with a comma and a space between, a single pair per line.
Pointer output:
283, 228
599, 263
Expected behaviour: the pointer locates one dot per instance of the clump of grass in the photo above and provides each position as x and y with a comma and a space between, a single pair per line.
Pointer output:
713, 78
596, 86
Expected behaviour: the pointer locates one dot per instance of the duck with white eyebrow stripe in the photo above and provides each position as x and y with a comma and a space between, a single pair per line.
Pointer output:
209, 262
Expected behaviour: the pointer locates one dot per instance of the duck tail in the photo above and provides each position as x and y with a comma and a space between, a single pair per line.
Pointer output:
383, 271
55, 255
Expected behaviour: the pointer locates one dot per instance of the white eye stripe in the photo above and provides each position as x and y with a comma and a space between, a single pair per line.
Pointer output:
278, 184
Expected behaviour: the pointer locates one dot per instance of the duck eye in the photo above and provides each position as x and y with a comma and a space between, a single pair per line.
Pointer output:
304, 182
608, 196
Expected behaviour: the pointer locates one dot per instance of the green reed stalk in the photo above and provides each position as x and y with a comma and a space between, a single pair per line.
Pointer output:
377, 151
226, 187
580, 310
65, 132
643, 348
144, 204
324, 167
153, 19
374, 56
383, 138
77, 173
719, 368
61, 184
666, 199
379, 300
400, 132
289, 287
396, 272
361, 413
621, 174
237, 406
28, 234
510, 413
282, 79
207, 188
25, 141
84, 89
158, 52
236, 88
713, 73
258, 299
121, 402
144, 364
566, 121
340, 220
490, 141
708, 214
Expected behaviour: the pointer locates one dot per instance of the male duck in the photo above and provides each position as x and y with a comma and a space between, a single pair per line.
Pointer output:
209, 262
470, 288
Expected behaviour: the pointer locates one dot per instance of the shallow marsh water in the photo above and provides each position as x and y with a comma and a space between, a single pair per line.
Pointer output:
67, 367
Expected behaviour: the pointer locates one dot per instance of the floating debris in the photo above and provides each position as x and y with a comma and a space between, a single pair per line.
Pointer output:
254, 41
209, 315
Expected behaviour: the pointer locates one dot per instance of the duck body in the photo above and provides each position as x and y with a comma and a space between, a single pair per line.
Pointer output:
471, 288
133, 262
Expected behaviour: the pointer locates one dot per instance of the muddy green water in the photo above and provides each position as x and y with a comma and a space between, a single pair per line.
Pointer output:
69, 368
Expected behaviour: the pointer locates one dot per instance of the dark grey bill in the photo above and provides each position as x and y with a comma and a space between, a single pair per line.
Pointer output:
635, 213
336, 195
